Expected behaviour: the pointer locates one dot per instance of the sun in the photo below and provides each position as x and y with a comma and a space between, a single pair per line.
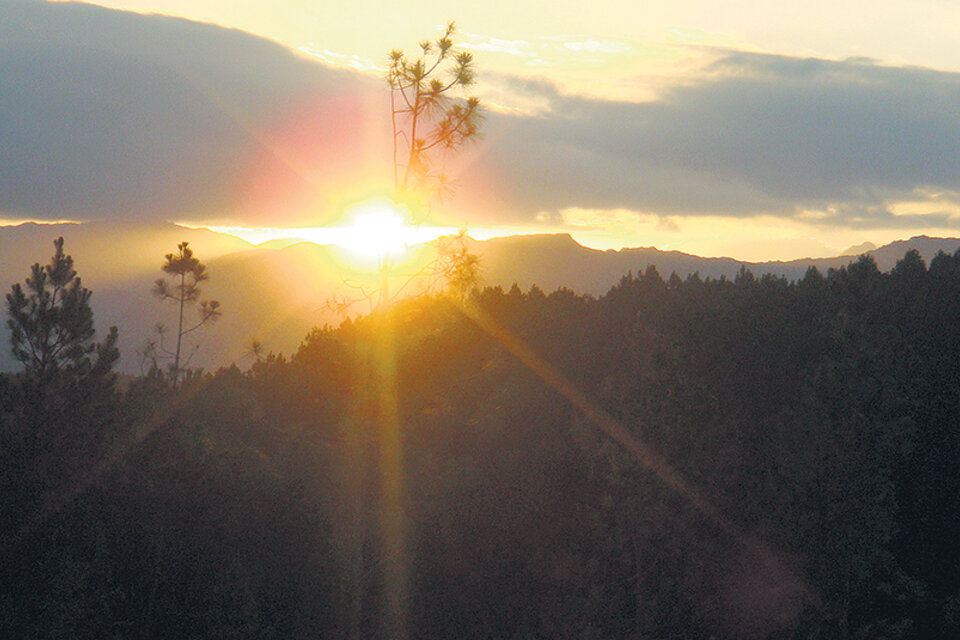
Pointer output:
379, 228
376, 229
370, 230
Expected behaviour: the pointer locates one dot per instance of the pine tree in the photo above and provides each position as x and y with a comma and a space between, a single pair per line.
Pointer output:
188, 272
51, 325
429, 124
63, 404
427, 121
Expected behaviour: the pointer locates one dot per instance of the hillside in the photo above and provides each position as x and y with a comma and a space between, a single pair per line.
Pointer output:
744, 459
275, 293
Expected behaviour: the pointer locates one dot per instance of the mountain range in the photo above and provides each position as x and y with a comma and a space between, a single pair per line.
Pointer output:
276, 292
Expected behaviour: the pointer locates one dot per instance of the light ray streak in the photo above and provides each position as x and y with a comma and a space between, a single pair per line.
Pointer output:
268, 142
752, 546
393, 511
56, 501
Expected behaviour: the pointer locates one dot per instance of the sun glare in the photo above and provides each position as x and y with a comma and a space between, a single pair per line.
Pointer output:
376, 230
373, 229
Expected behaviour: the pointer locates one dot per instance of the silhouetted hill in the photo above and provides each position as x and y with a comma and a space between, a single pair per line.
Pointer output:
274, 296
105, 252
118, 261
557, 260
856, 250
279, 243
276, 292
887, 255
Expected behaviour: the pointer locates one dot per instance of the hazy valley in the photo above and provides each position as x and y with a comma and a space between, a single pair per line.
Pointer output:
275, 293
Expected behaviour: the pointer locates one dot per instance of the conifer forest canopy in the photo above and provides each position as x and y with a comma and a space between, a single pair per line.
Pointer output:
783, 466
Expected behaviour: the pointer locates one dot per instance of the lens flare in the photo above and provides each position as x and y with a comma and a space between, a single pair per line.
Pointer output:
377, 229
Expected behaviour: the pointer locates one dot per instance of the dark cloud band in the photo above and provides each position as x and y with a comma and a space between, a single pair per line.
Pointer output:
112, 114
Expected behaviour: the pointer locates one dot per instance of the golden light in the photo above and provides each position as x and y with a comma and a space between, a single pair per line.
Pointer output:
369, 230
377, 229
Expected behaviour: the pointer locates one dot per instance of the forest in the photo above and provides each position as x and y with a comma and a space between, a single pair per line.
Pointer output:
678, 458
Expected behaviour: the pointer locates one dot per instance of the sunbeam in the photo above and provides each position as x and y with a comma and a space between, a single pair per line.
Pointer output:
774, 583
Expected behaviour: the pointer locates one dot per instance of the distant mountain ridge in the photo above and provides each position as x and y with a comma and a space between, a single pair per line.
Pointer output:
277, 292
557, 260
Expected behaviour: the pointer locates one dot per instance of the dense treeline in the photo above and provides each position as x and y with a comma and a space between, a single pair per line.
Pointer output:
815, 424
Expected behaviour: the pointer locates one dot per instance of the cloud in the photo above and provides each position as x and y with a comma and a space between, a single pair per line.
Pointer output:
107, 114
342, 59
667, 224
590, 45
756, 134
519, 48
857, 216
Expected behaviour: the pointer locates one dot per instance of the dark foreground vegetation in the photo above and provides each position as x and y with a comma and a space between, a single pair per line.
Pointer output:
815, 424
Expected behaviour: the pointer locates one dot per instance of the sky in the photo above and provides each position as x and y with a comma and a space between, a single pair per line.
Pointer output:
762, 130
